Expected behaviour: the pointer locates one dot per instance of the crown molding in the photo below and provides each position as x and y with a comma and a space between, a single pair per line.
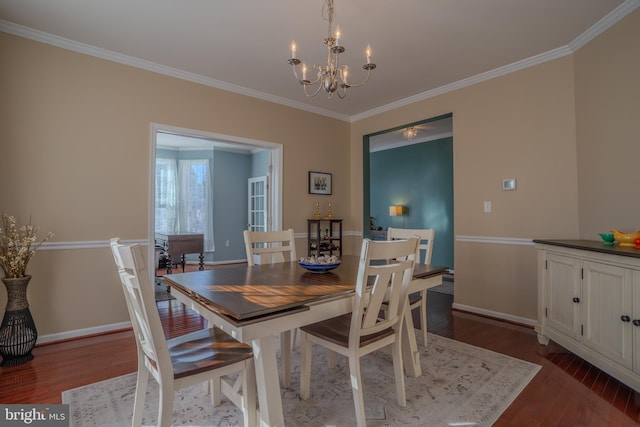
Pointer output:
50, 39
599, 27
488, 75
602, 25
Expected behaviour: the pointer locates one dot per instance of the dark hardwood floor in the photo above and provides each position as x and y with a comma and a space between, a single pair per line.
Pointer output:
567, 391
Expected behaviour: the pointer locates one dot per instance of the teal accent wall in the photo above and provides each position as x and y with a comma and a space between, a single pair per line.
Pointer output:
419, 177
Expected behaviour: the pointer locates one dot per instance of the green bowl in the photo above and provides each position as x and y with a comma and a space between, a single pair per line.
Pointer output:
608, 238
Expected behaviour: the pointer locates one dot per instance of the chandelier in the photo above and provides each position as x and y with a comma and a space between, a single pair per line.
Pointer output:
410, 133
333, 77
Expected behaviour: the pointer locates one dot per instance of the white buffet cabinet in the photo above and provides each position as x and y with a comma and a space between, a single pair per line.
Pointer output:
589, 303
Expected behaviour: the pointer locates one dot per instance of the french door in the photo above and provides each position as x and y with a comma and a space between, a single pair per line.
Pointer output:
258, 213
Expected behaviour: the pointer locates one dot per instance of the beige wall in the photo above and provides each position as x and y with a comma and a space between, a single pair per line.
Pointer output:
75, 155
517, 126
608, 116
76, 149
545, 126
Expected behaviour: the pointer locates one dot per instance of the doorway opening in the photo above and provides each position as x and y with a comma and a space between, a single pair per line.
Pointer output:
408, 182
231, 162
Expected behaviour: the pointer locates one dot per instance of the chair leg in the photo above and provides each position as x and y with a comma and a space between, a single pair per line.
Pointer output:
141, 392
356, 388
305, 366
165, 406
423, 317
398, 370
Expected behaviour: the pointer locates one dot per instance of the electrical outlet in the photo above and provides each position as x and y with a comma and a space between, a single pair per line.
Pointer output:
226, 243
487, 207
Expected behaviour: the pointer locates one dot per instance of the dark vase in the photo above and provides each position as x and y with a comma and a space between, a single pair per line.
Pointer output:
18, 332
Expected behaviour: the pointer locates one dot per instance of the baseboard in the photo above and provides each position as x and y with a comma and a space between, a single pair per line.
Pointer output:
82, 333
233, 261
496, 315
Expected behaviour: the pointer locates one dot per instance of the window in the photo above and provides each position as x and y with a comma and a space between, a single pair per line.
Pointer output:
166, 196
183, 199
195, 200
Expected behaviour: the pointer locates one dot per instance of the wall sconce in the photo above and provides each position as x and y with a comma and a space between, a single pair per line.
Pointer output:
396, 210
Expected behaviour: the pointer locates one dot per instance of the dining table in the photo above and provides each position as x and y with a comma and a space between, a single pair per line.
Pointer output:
256, 303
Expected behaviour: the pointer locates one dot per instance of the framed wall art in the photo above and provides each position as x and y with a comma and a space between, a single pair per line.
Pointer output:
319, 183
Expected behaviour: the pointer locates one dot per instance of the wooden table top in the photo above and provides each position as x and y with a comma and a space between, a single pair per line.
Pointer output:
249, 292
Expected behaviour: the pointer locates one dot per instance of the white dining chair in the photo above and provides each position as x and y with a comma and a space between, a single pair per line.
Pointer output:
417, 300
198, 357
271, 247
363, 331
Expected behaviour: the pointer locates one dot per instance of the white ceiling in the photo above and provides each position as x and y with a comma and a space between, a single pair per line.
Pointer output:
421, 47
181, 142
429, 131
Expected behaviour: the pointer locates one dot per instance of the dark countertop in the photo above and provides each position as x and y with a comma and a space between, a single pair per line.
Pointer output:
593, 246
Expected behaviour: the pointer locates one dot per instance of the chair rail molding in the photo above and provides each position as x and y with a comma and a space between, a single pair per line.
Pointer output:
496, 240
85, 244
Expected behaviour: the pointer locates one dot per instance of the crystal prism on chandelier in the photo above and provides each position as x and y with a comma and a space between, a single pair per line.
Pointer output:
333, 77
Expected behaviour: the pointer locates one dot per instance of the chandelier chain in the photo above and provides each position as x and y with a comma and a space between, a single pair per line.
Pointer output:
328, 15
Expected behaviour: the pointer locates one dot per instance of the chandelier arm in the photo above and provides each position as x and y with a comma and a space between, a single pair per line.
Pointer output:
317, 80
304, 82
348, 85
342, 94
315, 92
295, 73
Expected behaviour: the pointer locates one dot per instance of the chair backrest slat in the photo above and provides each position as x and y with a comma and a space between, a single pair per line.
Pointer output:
269, 247
426, 236
140, 298
384, 273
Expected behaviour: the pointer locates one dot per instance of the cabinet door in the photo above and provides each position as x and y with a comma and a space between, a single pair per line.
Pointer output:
607, 311
563, 295
636, 320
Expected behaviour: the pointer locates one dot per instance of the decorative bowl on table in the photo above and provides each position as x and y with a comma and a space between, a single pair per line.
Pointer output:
320, 264
608, 238
625, 239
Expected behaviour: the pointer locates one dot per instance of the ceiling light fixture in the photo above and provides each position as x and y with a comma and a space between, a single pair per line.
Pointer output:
410, 133
333, 77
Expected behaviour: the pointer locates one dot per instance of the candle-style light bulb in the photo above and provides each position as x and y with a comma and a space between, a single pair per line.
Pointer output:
293, 49
338, 36
304, 71
368, 53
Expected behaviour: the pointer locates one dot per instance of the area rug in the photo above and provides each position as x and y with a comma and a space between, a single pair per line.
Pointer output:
445, 288
460, 385
161, 291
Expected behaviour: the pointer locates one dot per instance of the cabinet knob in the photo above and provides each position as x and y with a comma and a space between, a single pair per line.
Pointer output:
625, 318
576, 299
635, 322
